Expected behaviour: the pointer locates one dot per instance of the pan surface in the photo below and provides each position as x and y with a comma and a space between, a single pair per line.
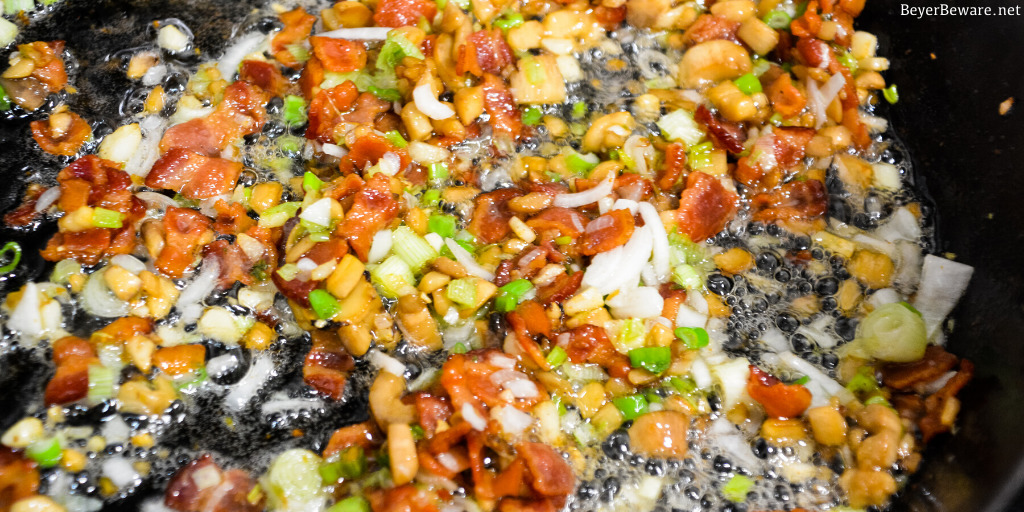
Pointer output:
952, 72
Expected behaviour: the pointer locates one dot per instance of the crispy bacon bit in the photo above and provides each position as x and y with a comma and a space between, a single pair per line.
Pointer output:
326, 109
19, 477
47, 76
633, 186
373, 208
233, 263
122, 329
62, 134
806, 200
563, 287
295, 289
25, 213
339, 55
809, 24
431, 411
187, 231
936, 420
607, 232
311, 77
367, 150
785, 97
400, 13
193, 175
228, 492
297, 25
367, 109
790, 144
590, 344
485, 51
405, 498
705, 206
935, 363
780, 400
724, 134
327, 365
241, 112
565, 221
180, 359
610, 17
675, 164
491, 215
365, 435
264, 75
709, 27
552, 476
505, 118
71, 382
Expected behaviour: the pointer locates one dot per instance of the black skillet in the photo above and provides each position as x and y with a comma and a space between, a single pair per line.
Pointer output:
952, 72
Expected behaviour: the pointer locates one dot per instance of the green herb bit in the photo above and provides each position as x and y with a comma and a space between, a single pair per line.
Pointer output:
294, 110
652, 359
104, 218
556, 357
891, 94
396, 139
532, 116
444, 225
778, 20
693, 337
324, 304
737, 487
749, 84
631, 406
310, 182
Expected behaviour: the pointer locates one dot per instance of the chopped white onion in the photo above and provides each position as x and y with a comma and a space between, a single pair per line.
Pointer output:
448, 461
818, 379
333, 150
659, 237
252, 247
260, 371
386, 363
358, 34
732, 376
206, 477
775, 340
701, 373
884, 296
434, 240
501, 361
426, 102
318, 213
475, 420
642, 302
466, 259
222, 365
26, 317
380, 247
120, 472
589, 196
46, 199
512, 420
154, 75
943, 282
128, 262
689, 317
98, 300
235, 54
522, 388
390, 164
202, 284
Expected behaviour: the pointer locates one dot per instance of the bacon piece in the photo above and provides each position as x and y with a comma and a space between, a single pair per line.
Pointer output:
705, 206
92, 181
180, 359
565, 221
491, 215
724, 134
187, 491
327, 364
400, 13
505, 118
785, 98
936, 404
231, 218
186, 231
590, 344
339, 55
264, 75
633, 186
65, 140
294, 289
406, 498
607, 232
563, 287
367, 150
19, 477
809, 23
240, 113
780, 400
25, 213
675, 164
234, 265
365, 435
311, 77
610, 17
72, 356
551, 475
373, 208
790, 144
485, 51
368, 107
805, 200
297, 25
432, 410
709, 27
86, 247
326, 109
122, 330
935, 363
194, 175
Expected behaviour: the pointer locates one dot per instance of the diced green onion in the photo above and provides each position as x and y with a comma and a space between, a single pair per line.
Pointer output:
11, 251
310, 182
802, 380
761, 66
290, 143
532, 116
13, 7
46, 452
847, 60
748, 83
301, 53
288, 271
412, 248
438, 171
396, 48
579, 109
652, 359
396, 139
324, 304
534, 70
737, 487
351, 504
775, 119
863, 382
276, 216
431, 197
581, 164
891, 94
563, 240
679, 125
293, 478
441, 4
509, 295
556, 357
893, 333
8, 32
693, 337
908, 306
294, 110
459, 348
104, 218
778, 20
5, 101
417, 432
444, 225
386, 94
631, 406
509, 21
101, 383
683, 385
393, 276
350, 464
699, 155
877, 399
631, 334
686, 276
462, 291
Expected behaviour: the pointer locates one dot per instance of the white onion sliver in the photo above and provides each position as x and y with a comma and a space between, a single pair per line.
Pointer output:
942, 283
260, 371
26, 317
502, 361
295, 404
623, 265
588, 196
359, 34
448, 461
222, 365
318, 213
659, 237
232, 58
390, 164
120, 472
425, 100
522, 388
129, 263
156, 199
387, 363
466, 259
380, 247
98, 300
333, 150
470, 414
202, 284
642, 302
46, 199
512, 420
816, 376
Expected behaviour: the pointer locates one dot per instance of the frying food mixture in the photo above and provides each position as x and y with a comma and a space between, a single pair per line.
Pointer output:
400, 255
